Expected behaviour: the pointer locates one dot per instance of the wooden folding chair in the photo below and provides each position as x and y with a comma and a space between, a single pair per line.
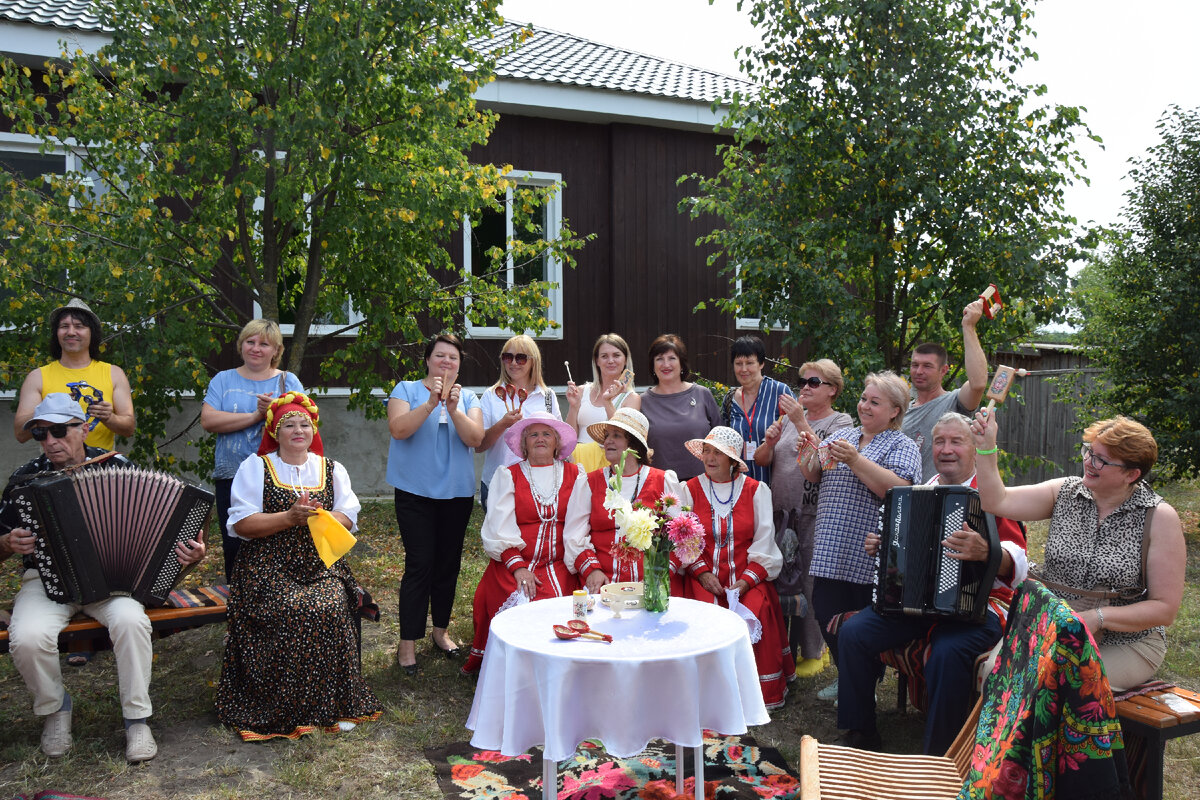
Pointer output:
832, 772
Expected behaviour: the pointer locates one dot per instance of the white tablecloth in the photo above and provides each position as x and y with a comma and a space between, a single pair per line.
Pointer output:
665, 676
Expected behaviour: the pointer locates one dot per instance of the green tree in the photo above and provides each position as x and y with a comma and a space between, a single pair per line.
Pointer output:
887, 169
1138, 299
297, 154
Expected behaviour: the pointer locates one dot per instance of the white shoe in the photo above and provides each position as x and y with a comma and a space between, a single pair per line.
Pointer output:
830, 692
56, 734
139, 743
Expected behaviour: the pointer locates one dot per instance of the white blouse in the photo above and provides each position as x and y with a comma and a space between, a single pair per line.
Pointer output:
578, 538
500, 531
247, 492
763, 550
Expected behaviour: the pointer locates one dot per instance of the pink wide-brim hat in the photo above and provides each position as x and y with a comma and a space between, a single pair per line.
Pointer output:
567, 437
725, 440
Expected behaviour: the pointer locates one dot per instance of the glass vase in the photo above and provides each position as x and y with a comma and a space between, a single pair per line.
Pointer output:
656, 588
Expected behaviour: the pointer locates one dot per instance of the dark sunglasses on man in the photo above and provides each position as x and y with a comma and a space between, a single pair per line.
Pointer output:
509, 358
58, 431
814, 382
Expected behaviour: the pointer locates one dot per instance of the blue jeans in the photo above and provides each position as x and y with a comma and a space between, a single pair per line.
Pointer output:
949, 673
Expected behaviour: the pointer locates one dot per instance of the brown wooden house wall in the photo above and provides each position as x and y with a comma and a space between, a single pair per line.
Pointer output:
643, 273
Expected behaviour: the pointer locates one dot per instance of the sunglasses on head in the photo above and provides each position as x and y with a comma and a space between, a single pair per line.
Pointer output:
39, 432
814, 382
509, 358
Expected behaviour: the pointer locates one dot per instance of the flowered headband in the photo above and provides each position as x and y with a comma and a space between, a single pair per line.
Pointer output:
286, 405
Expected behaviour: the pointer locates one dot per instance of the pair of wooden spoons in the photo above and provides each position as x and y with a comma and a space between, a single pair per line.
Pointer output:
577, 628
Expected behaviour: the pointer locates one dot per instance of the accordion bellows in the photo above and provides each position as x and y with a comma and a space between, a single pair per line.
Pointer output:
111, 531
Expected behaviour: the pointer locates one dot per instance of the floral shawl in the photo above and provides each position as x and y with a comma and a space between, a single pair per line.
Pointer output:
1048, 727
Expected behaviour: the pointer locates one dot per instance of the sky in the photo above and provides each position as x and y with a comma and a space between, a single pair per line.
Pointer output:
1125, 66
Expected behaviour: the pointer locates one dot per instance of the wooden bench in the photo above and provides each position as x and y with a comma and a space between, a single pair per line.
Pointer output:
1148, 722
186, 608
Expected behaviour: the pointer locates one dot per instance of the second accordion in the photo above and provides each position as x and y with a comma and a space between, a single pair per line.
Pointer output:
916, 575
106, 531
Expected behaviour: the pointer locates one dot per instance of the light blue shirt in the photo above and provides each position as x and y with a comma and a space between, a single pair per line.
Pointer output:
229, 391
433, 462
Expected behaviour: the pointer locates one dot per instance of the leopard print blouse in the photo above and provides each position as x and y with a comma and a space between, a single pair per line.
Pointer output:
1082, 552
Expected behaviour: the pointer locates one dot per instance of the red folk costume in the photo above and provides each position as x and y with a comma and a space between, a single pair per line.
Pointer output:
514, 510
591, 548
740, 545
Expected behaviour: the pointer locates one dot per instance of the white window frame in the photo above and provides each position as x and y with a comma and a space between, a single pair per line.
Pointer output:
554, 270
353, 315
30, 145
751, 323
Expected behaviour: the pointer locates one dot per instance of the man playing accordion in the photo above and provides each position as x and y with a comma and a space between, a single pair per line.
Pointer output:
953, 646
58, 425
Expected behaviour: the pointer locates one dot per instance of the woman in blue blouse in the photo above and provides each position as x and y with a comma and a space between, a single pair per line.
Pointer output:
754, 405
235, 406
432, 468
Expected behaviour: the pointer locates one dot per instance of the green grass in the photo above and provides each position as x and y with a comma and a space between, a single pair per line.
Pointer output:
201, 759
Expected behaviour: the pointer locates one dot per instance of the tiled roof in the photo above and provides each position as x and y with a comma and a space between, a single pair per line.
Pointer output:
550, 56
75, 14
547, 56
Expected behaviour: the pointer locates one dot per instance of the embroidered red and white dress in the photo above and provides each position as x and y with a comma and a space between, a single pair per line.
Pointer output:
740, 545
590, 546
527, 510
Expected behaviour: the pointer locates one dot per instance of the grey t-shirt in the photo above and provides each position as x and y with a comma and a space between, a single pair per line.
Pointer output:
919, 421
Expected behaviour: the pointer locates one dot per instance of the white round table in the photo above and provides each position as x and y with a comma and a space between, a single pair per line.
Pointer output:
665, 676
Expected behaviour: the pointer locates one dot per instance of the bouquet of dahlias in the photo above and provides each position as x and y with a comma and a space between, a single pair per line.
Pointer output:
652, 529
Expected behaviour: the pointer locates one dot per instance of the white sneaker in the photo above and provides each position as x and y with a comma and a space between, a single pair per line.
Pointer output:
829, 692
56, 734
139, 743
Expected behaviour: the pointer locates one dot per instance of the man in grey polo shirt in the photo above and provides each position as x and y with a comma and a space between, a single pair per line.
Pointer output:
928, 369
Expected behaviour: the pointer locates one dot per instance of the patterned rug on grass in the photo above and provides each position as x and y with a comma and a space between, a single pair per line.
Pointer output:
734, 767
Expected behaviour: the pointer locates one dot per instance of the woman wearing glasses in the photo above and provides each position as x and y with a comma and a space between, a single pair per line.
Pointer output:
795, 500
520, 368
1115, 550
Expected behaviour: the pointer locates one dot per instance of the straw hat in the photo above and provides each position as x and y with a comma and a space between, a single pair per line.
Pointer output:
76, 306
724, 440
567, 437
629, 420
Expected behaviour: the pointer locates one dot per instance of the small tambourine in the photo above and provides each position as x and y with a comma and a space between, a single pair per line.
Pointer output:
622, 595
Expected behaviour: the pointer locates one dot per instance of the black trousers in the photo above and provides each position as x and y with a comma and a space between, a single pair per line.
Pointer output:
832, 597
432, 532
223, 489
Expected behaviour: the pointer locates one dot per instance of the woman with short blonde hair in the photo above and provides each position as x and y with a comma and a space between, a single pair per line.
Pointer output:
235, 406
855, 467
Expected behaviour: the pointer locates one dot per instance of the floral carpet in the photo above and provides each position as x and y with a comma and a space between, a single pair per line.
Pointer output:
734, 767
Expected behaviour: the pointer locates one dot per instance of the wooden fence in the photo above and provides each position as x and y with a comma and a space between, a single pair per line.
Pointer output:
1042, 431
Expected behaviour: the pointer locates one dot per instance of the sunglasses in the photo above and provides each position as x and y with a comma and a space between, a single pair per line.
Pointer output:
509, 358
813, 382
39, 432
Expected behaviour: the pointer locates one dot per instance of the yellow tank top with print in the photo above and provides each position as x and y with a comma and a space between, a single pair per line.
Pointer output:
93, 381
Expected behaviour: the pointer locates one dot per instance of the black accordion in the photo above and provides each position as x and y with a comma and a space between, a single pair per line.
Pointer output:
916, 575
111, 531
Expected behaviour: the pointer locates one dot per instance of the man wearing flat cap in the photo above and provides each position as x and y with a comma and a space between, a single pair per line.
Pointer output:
58, 423
101, 389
